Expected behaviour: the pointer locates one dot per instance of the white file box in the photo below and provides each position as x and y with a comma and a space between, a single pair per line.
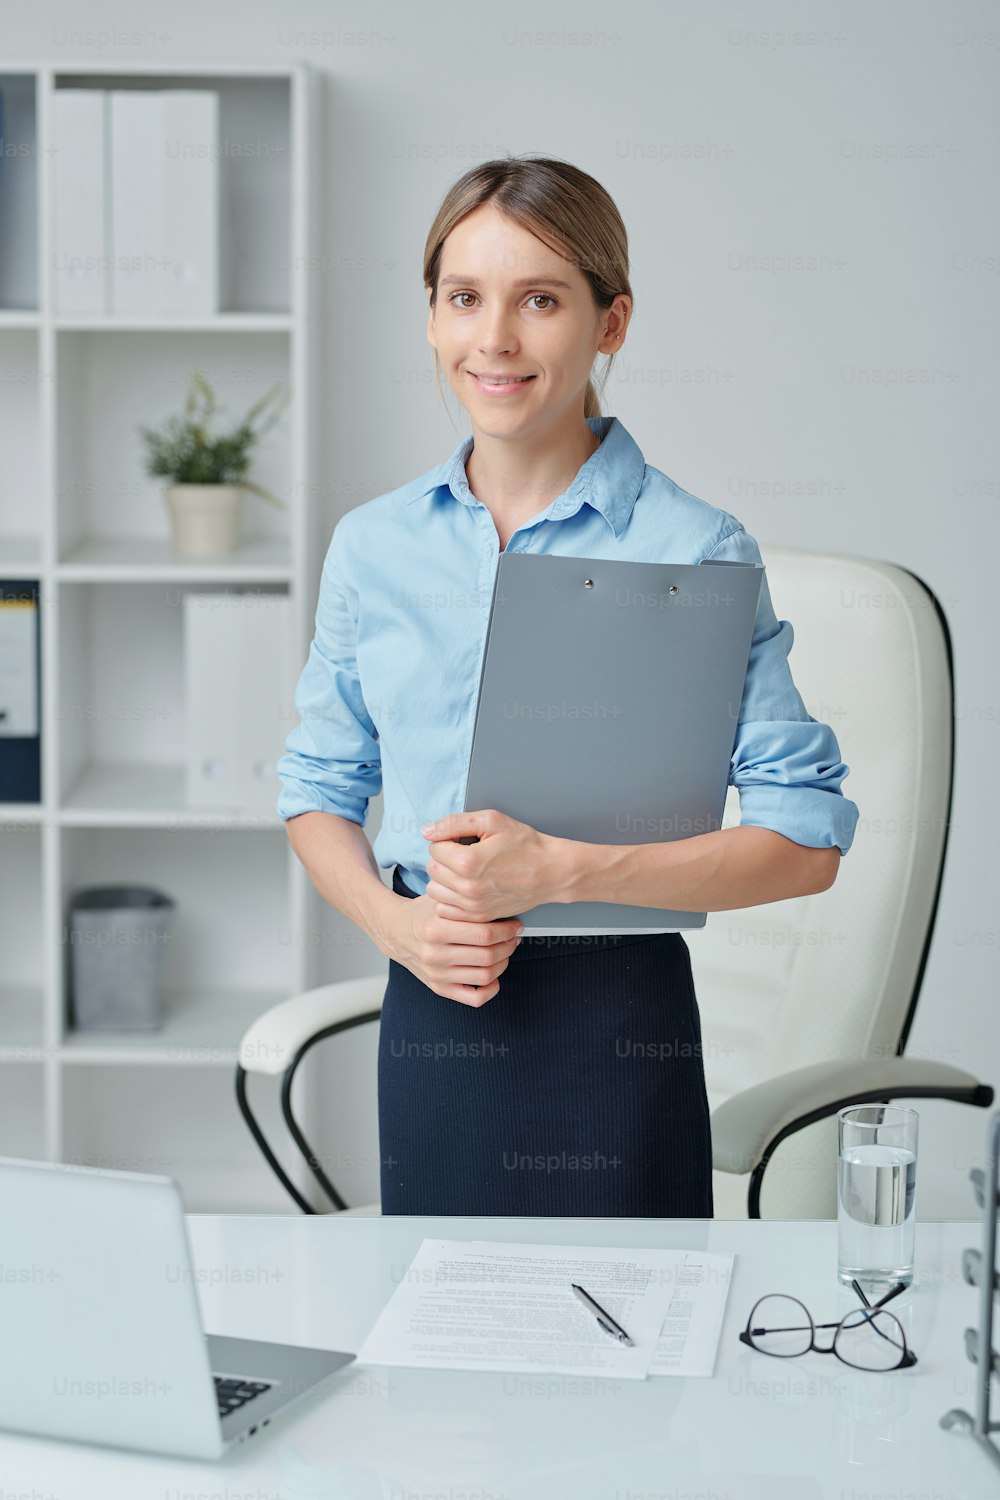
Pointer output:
236, 664
137, 160
190, 208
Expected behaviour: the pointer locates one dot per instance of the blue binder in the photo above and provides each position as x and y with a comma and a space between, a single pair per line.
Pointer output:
20, 691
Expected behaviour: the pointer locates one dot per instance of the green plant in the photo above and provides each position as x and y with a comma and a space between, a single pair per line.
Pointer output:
185, 452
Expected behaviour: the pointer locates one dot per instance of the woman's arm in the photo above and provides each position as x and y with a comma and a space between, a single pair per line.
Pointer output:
339, 861
719, 871
513, 866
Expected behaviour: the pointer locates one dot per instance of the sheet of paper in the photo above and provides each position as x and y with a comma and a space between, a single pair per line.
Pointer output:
498, 1305
689, 1338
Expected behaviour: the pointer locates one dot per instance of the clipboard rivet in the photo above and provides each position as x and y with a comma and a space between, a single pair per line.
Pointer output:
588, 583
673, 588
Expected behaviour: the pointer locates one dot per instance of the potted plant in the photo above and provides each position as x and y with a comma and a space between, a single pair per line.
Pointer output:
209, 473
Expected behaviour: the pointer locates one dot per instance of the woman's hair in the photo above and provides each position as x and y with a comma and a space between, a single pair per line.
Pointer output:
564, 207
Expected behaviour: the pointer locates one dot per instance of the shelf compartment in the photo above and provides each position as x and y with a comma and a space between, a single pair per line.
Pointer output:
121, 707
111, 381
255, 164
229, 933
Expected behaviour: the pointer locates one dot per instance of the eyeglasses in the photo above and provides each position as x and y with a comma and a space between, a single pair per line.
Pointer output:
866, 1338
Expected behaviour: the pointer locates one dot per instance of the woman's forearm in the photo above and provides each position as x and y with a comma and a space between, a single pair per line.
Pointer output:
339, 861
719, 871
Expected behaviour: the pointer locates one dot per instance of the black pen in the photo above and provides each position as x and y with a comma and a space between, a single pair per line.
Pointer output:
605, 1319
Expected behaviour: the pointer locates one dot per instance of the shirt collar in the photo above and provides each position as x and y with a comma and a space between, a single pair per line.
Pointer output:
609, 480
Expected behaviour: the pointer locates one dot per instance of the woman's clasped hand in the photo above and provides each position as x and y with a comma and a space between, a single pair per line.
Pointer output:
457, 937
452, 958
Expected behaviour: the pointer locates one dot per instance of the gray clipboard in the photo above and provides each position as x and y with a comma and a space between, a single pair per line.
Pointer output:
607, 709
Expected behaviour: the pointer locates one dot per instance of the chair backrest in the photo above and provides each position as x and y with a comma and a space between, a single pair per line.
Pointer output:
837, 974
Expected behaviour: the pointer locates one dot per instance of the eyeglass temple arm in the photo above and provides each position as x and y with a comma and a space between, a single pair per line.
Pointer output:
869, 1306
801, 1327
893, 1292
792, 1328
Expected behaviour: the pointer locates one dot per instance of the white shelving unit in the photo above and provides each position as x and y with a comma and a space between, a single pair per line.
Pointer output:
79, 515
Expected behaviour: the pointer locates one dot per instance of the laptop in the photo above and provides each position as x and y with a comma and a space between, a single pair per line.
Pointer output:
102, 1334
607, 710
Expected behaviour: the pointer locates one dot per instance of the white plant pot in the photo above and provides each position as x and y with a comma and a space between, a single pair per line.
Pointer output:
205, 517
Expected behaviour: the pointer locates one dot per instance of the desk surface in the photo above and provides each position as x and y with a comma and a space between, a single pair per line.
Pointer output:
760, 1429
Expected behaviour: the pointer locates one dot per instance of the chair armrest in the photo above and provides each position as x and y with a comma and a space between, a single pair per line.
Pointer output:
272, 1042
751, 1123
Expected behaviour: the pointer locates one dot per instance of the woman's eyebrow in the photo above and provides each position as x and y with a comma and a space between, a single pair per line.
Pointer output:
524, 281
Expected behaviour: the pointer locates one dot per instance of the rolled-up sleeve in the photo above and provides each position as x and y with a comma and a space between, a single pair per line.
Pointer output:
332, 761
785, 765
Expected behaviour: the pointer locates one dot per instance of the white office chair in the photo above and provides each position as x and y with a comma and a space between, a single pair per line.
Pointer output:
805, 1004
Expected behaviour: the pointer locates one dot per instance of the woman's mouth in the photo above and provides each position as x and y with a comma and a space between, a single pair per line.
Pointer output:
501, 385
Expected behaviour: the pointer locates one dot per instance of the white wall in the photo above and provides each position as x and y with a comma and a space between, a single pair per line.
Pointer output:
864, 136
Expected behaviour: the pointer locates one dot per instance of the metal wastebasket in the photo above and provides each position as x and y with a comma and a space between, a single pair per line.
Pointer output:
118, 936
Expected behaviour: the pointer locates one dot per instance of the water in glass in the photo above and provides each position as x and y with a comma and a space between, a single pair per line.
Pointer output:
875, 1213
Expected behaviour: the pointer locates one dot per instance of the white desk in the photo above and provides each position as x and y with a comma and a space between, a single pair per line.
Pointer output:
760, 1429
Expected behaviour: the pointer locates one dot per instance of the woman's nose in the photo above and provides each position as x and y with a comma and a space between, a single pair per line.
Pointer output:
496, 335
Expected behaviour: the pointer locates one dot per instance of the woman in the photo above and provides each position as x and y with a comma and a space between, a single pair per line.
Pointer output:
555, 1076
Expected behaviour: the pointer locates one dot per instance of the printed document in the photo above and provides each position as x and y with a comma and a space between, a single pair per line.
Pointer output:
498, 1305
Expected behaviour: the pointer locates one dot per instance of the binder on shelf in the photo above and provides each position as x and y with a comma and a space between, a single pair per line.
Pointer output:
190, 204
80, 170
136, 195
165, 201
18, 193
236, 657
20, 692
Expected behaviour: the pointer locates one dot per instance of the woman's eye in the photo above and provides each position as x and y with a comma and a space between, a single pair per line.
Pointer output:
453, 298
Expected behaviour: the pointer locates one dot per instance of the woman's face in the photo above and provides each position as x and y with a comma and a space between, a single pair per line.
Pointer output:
508, 305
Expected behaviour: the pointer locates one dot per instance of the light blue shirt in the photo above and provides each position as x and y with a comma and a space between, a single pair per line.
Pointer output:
387, 697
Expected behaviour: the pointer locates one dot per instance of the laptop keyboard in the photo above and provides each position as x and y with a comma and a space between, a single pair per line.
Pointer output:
232, 1393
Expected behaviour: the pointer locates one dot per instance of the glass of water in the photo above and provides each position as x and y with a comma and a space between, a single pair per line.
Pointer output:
876, 1187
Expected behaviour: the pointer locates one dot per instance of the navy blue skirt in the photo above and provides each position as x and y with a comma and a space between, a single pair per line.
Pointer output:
577, 1090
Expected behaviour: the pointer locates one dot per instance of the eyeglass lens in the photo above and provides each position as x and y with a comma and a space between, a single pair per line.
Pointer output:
871, 1341
780, 1325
